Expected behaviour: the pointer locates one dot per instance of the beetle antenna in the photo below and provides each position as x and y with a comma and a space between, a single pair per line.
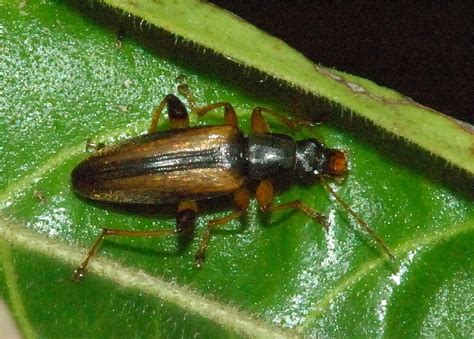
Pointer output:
357, 217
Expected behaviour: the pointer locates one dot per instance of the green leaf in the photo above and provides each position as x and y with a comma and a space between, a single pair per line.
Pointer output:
62, 81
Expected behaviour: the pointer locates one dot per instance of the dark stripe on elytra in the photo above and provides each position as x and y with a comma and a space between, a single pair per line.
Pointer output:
163, 163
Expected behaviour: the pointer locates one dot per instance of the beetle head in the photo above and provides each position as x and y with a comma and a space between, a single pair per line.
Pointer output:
314, 159
336, 163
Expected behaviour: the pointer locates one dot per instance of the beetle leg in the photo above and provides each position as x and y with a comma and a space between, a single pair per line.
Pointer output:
265, 195
259, 125
241, 198
185, 222
185, 218
106, 232
230, 118
177, 113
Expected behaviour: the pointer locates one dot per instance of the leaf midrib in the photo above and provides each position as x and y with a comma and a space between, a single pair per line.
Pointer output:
11, 280
135, 279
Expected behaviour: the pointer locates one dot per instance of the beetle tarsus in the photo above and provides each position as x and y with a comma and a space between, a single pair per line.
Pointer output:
79, 274
199, 260
92, 146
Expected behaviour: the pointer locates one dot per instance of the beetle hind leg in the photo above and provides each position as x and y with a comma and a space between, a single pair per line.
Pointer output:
185, 218
106, 232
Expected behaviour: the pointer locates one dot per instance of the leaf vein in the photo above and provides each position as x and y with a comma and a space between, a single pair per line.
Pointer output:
418, 242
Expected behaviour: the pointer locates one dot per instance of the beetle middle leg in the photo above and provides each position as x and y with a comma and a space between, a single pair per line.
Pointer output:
259, 124
230, 117
177, 113
242, 199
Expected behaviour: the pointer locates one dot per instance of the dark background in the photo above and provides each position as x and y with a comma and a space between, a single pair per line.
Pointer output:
421, 49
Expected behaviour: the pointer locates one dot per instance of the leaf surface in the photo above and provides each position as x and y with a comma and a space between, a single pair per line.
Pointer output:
63, 81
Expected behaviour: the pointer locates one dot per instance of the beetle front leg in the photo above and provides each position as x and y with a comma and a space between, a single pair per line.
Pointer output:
242, 199
265, 195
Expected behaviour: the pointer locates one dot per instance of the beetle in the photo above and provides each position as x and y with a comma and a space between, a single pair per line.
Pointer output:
186, 165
